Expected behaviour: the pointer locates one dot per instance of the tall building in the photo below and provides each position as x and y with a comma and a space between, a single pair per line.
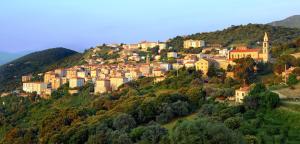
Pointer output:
259, 54
49, 76
56, 83
266, 49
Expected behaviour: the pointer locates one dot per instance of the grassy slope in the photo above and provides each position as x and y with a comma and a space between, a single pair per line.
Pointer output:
287, 115
171, 124
290, 93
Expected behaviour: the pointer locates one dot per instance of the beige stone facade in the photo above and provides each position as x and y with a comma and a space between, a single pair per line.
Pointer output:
203, 65
76, 82
193, 43
26, 78
102, 86
49, 76
116, 82
37, 87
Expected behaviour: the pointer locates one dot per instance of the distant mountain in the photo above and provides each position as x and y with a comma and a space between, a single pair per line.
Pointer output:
291, 22
6, 57
249, 34
10, 73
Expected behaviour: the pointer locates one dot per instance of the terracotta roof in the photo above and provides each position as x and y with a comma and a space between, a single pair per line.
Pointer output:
244, 89
245, 50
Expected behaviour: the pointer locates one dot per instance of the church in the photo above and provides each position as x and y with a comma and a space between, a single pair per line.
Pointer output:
259, 54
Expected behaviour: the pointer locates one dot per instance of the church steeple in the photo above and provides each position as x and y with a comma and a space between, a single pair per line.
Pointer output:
266, 44
266, 48
266, 38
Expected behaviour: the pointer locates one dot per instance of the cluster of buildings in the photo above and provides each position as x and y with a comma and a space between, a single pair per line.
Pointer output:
259, 54
108, 77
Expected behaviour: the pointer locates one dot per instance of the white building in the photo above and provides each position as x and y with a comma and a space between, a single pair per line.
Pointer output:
166, 66
37, 87
241, 93
224, 52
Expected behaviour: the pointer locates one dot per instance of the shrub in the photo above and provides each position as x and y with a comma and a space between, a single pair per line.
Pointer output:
124, 122
233, 122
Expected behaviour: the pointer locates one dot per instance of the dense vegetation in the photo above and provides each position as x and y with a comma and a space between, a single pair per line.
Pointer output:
37, 62
291, 22
249, 34
139, 110
286, 48
103, 51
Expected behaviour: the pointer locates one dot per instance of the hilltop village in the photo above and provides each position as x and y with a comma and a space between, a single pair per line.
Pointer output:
179, 91
109, 75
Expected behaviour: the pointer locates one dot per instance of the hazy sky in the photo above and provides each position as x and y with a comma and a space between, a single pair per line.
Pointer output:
29, 25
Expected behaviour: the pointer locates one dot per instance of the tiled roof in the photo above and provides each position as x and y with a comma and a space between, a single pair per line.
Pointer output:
245, 50
244, 89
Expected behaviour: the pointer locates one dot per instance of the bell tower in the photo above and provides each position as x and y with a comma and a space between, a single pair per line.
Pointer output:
266, 48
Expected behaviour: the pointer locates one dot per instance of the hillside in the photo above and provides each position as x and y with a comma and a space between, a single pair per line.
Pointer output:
290, 22
247, 34
138, 112
10, 74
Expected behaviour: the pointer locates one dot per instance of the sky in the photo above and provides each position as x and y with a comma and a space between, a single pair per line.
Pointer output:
31, 25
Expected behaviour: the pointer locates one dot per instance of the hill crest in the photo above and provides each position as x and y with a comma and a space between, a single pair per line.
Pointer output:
291, 22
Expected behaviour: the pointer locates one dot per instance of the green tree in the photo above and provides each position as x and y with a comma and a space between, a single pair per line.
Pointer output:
244, 69
120, 137
233, 122
181, 108
284, 61
124, 122
212, 71
153, 134
270, 99
196, 95
260, 97
187, 133
292, 80
250, 139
